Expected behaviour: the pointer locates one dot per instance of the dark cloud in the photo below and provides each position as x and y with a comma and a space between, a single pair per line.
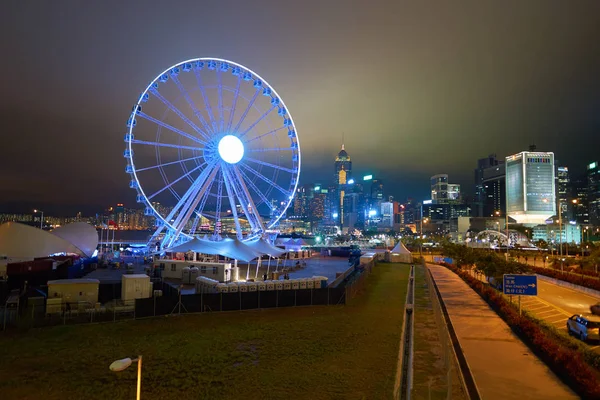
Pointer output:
416, 88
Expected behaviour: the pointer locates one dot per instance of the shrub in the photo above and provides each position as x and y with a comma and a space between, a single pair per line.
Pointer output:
577, 279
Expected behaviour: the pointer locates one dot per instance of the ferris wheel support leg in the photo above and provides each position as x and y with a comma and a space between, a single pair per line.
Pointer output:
229, 190
256, 215
196, 199
244, 202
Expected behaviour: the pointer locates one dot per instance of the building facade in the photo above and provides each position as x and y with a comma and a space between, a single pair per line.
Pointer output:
593, 178
530, 187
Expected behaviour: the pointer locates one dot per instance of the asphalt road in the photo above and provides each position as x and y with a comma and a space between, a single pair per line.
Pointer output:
556, 304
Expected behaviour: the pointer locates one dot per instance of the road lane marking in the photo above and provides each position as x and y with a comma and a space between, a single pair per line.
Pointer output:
549, 311
572, 290
568, 314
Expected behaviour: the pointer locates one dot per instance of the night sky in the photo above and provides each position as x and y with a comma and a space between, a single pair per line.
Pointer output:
416, 88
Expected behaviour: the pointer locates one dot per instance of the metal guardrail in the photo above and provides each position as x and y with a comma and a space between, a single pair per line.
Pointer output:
403, 386
443, 320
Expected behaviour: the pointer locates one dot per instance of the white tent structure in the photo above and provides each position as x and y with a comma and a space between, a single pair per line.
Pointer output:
231, 248
21, 241
401, 254
264, 247
83, 235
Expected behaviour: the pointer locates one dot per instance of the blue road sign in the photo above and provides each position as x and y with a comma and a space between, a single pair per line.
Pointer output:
521, 285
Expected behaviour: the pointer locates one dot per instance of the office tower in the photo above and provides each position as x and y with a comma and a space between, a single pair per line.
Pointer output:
530, 187
480, 194
343, 170
494, 190
593, 178
581, 208
439, 188
563, 186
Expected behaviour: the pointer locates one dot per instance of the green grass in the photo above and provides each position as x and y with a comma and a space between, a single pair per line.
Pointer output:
430, 379
341, 352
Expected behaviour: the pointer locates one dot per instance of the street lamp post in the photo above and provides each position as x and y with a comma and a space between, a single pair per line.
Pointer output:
121, 365
41, 219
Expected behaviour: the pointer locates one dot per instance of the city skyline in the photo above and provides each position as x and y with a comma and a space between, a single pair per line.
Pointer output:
491, 94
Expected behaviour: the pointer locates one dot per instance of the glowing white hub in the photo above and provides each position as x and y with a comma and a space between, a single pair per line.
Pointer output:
231, 149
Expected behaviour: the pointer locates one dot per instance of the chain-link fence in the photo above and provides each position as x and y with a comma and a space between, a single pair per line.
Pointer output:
37, 312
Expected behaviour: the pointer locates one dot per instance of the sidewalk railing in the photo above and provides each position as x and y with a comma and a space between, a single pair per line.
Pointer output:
452, 353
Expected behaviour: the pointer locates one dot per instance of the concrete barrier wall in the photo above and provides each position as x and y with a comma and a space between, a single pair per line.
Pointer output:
568, 285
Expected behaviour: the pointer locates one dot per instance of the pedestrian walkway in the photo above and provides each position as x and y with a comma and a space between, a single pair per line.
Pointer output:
503, 367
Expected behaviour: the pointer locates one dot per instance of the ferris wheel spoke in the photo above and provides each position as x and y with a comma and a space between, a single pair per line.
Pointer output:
250, 103
271, 149
246, 202
234, 103
250, 201
220, 104
256, 189
192, 105
181, 115
206, 101
171, 128
159, 144
201, 207
181, 201
175, 181
265, 179
258, 121
266, 164
200, 186
232, 204
168, 163
265, 134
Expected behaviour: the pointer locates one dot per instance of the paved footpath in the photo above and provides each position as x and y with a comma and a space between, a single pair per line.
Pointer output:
502, 365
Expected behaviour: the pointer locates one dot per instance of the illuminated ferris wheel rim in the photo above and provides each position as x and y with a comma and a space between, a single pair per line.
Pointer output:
145, 93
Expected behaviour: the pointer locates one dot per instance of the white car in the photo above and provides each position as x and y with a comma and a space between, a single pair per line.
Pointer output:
584, 326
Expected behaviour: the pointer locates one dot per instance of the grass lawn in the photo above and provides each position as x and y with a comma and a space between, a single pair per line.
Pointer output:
429, 378
335, 352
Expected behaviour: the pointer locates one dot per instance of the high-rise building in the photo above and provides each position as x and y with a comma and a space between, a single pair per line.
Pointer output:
443, 192
494, 190
387, 215
376, 191
439, 188
530, 187
480, 193
581, 208
343, 171
453, 193
563, 192
593, 175
317, 205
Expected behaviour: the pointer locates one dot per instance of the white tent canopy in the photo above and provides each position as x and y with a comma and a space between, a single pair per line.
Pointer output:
400, 249
401, 254
232, 248
264, 247
24, 241
81, 234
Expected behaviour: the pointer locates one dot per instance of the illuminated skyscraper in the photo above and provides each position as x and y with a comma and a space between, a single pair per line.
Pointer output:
593, 175
343, 171
530, 187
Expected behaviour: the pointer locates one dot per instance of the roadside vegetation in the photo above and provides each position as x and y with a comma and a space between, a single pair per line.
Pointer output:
335, 352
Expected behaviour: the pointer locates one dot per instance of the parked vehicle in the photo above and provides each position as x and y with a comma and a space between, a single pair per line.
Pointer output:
584, 326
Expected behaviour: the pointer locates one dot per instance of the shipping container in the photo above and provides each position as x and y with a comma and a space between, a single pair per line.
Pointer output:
135, 286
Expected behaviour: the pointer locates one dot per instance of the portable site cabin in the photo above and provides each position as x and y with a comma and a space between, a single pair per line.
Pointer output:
136, 286
176, 269
74, 292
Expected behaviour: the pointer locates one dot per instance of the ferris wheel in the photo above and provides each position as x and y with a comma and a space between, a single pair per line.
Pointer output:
210, 145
